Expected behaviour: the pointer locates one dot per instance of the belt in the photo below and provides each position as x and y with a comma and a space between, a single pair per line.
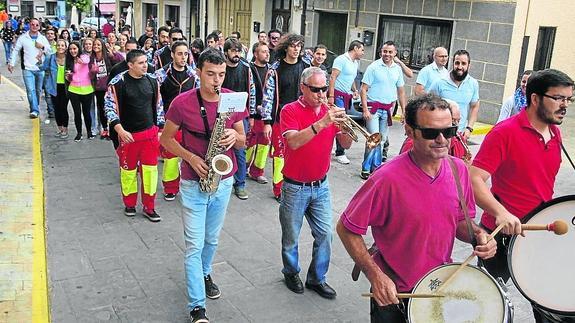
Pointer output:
312, 183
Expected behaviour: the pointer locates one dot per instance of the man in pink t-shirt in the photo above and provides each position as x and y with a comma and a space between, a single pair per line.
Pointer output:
308, 128
195, 112
412, 206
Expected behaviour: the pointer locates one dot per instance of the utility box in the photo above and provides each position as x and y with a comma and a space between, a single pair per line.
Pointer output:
368, 37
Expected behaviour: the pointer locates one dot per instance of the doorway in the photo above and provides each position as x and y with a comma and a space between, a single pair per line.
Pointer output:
330, 31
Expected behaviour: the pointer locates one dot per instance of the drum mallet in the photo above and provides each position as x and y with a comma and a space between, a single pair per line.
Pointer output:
559, 227
463, 264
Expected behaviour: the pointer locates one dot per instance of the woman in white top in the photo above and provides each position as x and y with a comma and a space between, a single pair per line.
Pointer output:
517, 101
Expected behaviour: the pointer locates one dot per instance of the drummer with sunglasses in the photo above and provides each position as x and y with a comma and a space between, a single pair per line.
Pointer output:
522, 156
412, 206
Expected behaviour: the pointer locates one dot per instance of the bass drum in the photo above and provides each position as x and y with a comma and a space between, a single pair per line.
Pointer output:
473, 296
542, 264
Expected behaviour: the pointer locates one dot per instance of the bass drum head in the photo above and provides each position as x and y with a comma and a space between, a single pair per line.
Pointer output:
472, 296
542, 264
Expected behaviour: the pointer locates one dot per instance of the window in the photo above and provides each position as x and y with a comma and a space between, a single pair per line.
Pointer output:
51, 8
544, 48
414, 39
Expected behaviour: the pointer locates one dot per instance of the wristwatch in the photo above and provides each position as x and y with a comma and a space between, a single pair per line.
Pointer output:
470, 129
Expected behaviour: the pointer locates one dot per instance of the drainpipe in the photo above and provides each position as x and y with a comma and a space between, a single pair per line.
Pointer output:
303, 18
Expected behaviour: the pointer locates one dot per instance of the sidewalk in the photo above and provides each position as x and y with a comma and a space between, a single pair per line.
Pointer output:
23, 292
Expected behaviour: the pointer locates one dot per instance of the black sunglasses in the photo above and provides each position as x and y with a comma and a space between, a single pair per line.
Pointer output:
177, 39
316, 89
432, 133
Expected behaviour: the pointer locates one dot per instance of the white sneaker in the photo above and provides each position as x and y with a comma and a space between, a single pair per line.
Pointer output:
342, 159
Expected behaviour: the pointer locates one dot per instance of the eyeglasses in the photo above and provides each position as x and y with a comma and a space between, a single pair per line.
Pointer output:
316, 89
274, 38
560, 98
177, 39
432, 133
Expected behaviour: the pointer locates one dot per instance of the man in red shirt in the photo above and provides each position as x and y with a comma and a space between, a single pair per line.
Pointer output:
522, 156
308, 128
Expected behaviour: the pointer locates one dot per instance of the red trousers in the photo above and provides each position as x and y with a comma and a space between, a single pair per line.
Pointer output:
278, 159
171, 169
258, 149
142, 155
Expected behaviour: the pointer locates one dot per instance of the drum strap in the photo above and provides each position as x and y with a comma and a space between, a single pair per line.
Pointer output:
462, 201
566, 154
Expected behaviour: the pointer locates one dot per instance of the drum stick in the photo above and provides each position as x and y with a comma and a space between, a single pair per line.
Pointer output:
407, 295
559, 227
468, 259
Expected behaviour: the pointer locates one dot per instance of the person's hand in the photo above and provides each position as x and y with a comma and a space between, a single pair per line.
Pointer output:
331, 100
251, 123
396, 60
366, 114
229, 138
485, 249
355, 95
39, 45
334, 115
383, 288
125, 136
512, 223
39, 56
198, 165
10, 68
268, 131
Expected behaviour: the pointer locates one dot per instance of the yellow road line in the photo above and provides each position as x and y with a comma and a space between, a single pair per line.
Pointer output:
40, 307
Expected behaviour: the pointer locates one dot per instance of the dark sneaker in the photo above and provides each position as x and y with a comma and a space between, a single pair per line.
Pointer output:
293, 283
364, 175
90, 136
241, 193
129, 211
323, 289
198, 315
152, 216
169, 196
51, 115
212, 290
78, 137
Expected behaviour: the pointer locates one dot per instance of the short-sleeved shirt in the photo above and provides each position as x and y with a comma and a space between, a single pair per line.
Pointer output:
413, 217
347, 72
522, 166
430, 74
311, 161
383, 81
465, 94
185, 113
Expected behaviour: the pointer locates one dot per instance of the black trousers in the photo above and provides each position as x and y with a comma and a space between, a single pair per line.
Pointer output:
395, 313
61, 106
100, 107
81, 105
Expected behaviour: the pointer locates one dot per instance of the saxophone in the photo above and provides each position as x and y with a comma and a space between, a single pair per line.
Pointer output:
219, 163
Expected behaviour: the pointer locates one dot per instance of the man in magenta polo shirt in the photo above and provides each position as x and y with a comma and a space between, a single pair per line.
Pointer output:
412, 206
308, 128
522, 156
195, 112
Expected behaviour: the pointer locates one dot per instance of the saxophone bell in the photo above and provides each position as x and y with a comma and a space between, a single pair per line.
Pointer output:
222, 164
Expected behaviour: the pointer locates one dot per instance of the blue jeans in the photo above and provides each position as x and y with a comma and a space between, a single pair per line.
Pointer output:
7, 50
240, 175
93, 117
203, 218
315, 204
48, 97
374, 157
339, 150
33, 80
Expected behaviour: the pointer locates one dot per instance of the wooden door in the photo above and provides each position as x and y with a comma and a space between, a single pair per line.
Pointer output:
235, 15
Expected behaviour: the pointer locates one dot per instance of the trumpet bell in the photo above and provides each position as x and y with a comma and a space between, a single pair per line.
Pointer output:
222, 164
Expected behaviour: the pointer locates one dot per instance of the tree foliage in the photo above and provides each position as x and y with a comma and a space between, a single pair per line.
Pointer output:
84, 6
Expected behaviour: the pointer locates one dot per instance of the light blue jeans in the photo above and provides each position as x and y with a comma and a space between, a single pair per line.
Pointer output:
374, 157
203, 217
7, 50
315, 204
33, 80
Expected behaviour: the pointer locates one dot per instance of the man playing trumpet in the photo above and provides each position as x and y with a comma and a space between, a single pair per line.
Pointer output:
308, 128
195, 113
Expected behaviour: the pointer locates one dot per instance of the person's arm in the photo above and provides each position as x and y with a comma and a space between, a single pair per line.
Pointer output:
168, 141
402, 101
15, 51
406, 70
484, 249
419, 89
487, 202
473, 112
506, 109
383, 288
332, 79
296, 139
363, 96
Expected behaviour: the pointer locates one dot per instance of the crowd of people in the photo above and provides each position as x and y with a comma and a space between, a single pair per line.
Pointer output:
156, 97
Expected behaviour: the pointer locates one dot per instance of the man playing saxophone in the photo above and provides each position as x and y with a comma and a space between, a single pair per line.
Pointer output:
195, 113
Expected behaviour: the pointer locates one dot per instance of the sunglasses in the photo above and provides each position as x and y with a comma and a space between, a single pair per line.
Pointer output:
177, 39
316, 89
433, 133
274, 38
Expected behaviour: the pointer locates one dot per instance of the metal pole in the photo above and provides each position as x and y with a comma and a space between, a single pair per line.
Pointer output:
99, 15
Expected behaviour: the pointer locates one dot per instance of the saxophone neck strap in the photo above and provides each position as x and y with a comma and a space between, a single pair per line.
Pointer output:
204, 114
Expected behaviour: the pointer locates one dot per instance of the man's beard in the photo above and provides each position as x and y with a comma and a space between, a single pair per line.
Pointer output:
547, 116
457, 77
234, 59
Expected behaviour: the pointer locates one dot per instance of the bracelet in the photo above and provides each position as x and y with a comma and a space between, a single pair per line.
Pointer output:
469, 128
313, 129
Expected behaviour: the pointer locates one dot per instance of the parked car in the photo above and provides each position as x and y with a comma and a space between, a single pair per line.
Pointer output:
92, 22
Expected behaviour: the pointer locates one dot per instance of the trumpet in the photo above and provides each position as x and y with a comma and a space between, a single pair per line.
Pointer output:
348, 125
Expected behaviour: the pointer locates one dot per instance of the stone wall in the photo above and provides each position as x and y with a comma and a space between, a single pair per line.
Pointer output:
484, 28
